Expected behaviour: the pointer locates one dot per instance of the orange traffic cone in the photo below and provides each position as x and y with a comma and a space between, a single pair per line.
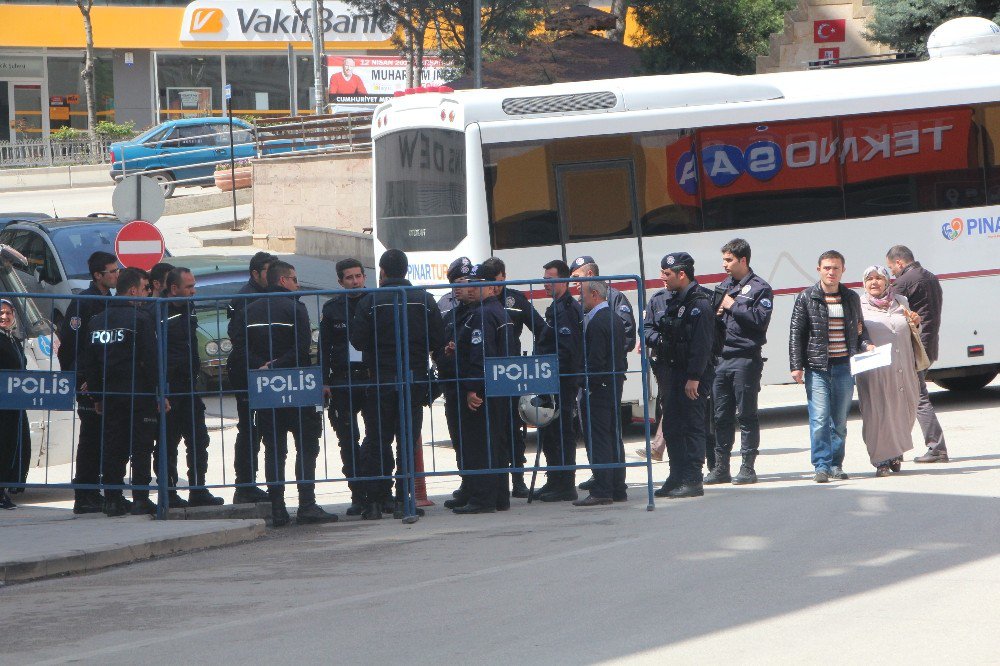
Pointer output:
420, 483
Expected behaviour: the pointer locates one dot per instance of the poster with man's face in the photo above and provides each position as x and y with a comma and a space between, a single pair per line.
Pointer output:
369, 80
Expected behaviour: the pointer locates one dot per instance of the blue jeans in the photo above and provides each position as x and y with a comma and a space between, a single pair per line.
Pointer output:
829, 393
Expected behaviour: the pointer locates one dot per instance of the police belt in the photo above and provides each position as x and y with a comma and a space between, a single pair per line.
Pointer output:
753, 353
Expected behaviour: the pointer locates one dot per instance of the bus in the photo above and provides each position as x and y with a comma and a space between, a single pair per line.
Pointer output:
797, 163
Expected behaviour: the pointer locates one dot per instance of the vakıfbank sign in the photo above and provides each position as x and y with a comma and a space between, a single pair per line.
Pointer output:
275, 21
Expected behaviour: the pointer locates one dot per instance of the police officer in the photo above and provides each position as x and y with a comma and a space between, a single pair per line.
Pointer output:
746, 311
605, 365
119, 361
247, 436
186, 418
374, 333
103, 268
562, 334
687, 336
278, 335
158, 280
486, 422
522, 315
455, 309
344, 373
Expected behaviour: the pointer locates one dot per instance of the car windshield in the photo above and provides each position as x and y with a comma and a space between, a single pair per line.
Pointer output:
30, 321
75, 245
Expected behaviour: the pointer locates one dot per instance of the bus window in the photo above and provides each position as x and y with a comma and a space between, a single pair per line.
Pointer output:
596, 200
989, 121
909, 161
667, 183
768, 174
420, 189
520, 196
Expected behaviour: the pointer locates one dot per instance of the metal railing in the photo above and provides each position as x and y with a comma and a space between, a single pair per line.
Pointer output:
43, 152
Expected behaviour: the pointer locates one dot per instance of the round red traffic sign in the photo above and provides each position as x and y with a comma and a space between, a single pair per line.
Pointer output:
139, 245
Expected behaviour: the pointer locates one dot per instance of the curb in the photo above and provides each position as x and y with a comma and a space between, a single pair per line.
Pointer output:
92, 559
260, 510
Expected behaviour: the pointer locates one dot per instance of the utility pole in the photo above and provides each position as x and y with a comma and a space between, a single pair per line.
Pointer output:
477, 42
317, 44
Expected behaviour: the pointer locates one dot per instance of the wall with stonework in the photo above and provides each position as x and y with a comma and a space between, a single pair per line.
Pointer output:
796, 45
332, 191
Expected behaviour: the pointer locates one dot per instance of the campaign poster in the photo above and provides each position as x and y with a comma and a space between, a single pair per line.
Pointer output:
369, 80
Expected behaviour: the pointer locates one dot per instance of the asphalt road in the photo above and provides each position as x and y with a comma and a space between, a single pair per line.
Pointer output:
902, 569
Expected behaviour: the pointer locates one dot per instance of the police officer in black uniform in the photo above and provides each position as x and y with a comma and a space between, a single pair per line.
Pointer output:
374, 333
523, 315
486, 422
686, 339
186, 418
344, 373
562, 334
278, 335
119, 361
247, 436
72, 333
746, 311
605, 365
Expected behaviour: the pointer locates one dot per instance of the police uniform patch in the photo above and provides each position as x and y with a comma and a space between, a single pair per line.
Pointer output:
477, 336
680, 313
465, 268
765, 303
509, 301
565, 331
75, 323
465, 261
625, 308
745, 290
578, 262
670, 261
695, 312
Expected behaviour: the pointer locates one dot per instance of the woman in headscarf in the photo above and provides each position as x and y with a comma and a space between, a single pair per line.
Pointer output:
889, 394
15, 437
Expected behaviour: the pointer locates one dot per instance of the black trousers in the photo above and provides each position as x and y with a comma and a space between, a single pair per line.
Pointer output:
486, 446
734, 391
248, 440
684, 428
559, 439
709, 430
518, 458
602, 430
15, 446
305, 426
345, 405
89, 444
130, 425
453, 417
186, 419
381, 415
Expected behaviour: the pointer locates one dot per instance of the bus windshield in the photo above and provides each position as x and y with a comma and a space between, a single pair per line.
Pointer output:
420, 189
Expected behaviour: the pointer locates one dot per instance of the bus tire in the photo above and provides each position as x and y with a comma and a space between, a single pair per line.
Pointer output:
967, 383
165, 179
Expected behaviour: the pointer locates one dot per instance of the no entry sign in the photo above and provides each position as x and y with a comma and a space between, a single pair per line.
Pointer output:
139, 245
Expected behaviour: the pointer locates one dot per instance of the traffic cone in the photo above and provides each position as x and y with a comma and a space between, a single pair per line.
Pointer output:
420, 483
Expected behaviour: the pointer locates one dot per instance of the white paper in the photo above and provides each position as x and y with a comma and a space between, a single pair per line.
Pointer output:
354, 356
880, 357
261, 101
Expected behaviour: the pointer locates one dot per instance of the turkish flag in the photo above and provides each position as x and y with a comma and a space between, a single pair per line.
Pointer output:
830, 30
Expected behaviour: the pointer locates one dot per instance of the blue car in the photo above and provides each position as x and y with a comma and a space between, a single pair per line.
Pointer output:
183, 152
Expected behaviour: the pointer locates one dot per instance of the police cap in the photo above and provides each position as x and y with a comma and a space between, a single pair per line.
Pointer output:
581, 261
459, 269
676, 260
482, 273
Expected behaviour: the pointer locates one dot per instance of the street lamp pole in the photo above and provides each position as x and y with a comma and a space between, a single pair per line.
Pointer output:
317, 44
477, 43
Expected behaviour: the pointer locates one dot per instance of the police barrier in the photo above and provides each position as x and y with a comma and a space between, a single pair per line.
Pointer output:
165, 391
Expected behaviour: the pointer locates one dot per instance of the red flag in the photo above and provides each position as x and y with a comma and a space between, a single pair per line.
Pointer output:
830, 30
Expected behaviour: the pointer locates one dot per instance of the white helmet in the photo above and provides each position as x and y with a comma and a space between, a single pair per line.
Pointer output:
538, 410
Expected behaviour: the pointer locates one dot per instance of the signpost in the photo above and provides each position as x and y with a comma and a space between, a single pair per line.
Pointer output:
138, 198
139, 245
522, 375
232, 150
285, 387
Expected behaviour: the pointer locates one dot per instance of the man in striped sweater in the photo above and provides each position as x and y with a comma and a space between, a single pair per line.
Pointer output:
827, 328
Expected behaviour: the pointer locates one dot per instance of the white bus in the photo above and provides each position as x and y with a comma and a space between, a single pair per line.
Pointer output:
626, 170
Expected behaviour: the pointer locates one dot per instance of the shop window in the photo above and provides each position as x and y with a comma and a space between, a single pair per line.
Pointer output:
189, 85
66, 86
260, 84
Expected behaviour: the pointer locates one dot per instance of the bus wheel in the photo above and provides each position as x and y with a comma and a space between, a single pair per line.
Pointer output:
967, 383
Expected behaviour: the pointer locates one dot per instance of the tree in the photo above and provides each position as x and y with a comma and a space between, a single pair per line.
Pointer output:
905, 25
707, 35
505, 25
619, 9
414, 17
88, 71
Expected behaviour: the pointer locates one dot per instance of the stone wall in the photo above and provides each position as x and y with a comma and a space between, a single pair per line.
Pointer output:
332, 191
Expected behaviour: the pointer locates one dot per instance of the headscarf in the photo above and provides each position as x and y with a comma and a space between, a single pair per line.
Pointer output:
885, 300
3, 302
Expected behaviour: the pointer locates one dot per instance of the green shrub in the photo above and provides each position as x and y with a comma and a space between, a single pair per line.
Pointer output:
67, 134
106, 129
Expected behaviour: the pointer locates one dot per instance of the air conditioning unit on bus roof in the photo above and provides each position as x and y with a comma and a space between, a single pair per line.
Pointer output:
968, 35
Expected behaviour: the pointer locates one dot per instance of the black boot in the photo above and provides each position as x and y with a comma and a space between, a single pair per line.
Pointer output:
518, 488
747, 474
115, 504
203, 498
88, 501
668, 486
720, 474
373, 511
398, 512
687, 489
279, 514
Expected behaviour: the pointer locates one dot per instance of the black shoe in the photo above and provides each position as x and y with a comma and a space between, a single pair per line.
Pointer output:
178, 502
279, 515
746, 476
88, 504
311, 514
687, 490
372, 511
718, 475
474, 508
590, 500
142, 506
388, 505
250, 495
537, 493
568, 495
204, 498
588, 484
116, 506
356, 509
5, 501
503, 505
455, 502
519, 488
667, 486
398, 512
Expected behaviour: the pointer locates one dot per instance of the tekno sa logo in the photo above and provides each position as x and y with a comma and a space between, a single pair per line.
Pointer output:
952, 230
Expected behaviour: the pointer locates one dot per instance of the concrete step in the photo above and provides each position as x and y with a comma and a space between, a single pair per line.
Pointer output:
184, 202
223, 238
224, 512
220, 225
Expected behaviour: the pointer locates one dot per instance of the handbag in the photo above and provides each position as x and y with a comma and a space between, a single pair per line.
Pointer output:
920, 358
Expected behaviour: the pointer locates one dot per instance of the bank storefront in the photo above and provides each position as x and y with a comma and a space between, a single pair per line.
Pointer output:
159, 62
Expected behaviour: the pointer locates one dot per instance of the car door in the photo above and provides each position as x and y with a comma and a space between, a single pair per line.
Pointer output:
191, 151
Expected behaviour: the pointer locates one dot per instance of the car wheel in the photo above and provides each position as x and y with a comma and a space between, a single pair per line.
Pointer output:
166, 180
967, 383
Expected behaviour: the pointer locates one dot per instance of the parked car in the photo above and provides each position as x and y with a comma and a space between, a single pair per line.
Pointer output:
7, 218
184, 150
57, 251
